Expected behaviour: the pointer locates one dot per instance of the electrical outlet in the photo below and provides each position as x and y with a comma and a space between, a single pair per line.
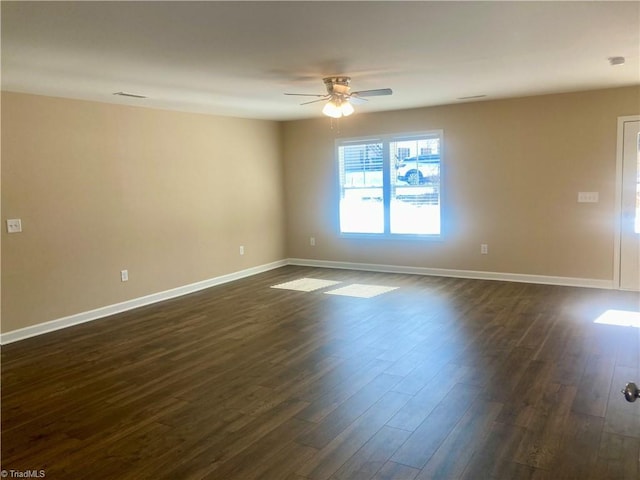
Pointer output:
588, 197
124, 275
484, 249
312, 241
14, 225
241, 249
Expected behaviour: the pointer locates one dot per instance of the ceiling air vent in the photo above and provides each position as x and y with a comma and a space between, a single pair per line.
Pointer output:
471, 97
132, 95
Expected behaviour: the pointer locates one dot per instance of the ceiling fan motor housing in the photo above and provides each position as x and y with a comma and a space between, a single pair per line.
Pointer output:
339, 85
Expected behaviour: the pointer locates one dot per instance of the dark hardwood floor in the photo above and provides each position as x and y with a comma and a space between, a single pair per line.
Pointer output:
441, 378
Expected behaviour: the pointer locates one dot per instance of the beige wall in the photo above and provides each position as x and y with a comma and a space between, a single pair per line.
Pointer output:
512, 172
100, 188
171, 196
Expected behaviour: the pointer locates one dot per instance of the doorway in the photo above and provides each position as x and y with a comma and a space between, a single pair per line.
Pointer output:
627, 262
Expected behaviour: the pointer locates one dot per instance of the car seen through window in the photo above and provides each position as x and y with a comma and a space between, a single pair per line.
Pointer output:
419, 170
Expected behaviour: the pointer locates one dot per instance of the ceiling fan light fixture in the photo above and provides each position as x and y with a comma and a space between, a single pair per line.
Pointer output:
332, 110
346, 108
337, 107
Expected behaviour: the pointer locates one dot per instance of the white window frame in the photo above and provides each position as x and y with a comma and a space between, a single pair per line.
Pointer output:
386, 140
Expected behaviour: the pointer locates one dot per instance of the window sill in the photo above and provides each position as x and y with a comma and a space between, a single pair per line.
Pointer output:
395, 236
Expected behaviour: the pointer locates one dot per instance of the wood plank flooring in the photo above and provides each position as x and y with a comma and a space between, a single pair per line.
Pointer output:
440, 379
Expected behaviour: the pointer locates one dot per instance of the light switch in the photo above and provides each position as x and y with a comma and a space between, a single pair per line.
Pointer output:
588, 197
14, 225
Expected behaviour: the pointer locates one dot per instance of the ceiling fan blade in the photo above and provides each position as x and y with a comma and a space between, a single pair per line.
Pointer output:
307, 94
373, 93
318, 100
357, 100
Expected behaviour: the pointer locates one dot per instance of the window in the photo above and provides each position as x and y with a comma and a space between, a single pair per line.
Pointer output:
391, 185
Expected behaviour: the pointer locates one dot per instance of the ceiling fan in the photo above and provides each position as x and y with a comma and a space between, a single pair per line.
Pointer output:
340, 99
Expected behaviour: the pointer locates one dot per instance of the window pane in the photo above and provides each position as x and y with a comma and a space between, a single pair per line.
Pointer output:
415, 186
361, 188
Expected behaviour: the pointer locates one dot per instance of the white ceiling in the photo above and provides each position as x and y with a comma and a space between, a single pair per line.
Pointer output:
238, 58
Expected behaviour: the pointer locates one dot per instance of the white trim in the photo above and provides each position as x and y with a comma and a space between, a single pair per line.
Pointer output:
46, 327
83, 317
617, 215
445, 272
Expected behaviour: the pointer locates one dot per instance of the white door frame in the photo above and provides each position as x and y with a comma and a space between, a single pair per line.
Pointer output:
618, 203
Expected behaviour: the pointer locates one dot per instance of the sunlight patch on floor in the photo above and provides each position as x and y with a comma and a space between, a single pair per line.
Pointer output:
622, 318
306, 284
361, 290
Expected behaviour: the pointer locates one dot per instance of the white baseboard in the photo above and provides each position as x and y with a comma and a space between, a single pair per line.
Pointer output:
46, 327
445, 272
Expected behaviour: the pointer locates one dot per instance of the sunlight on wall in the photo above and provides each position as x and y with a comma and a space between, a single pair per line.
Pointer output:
622, 318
